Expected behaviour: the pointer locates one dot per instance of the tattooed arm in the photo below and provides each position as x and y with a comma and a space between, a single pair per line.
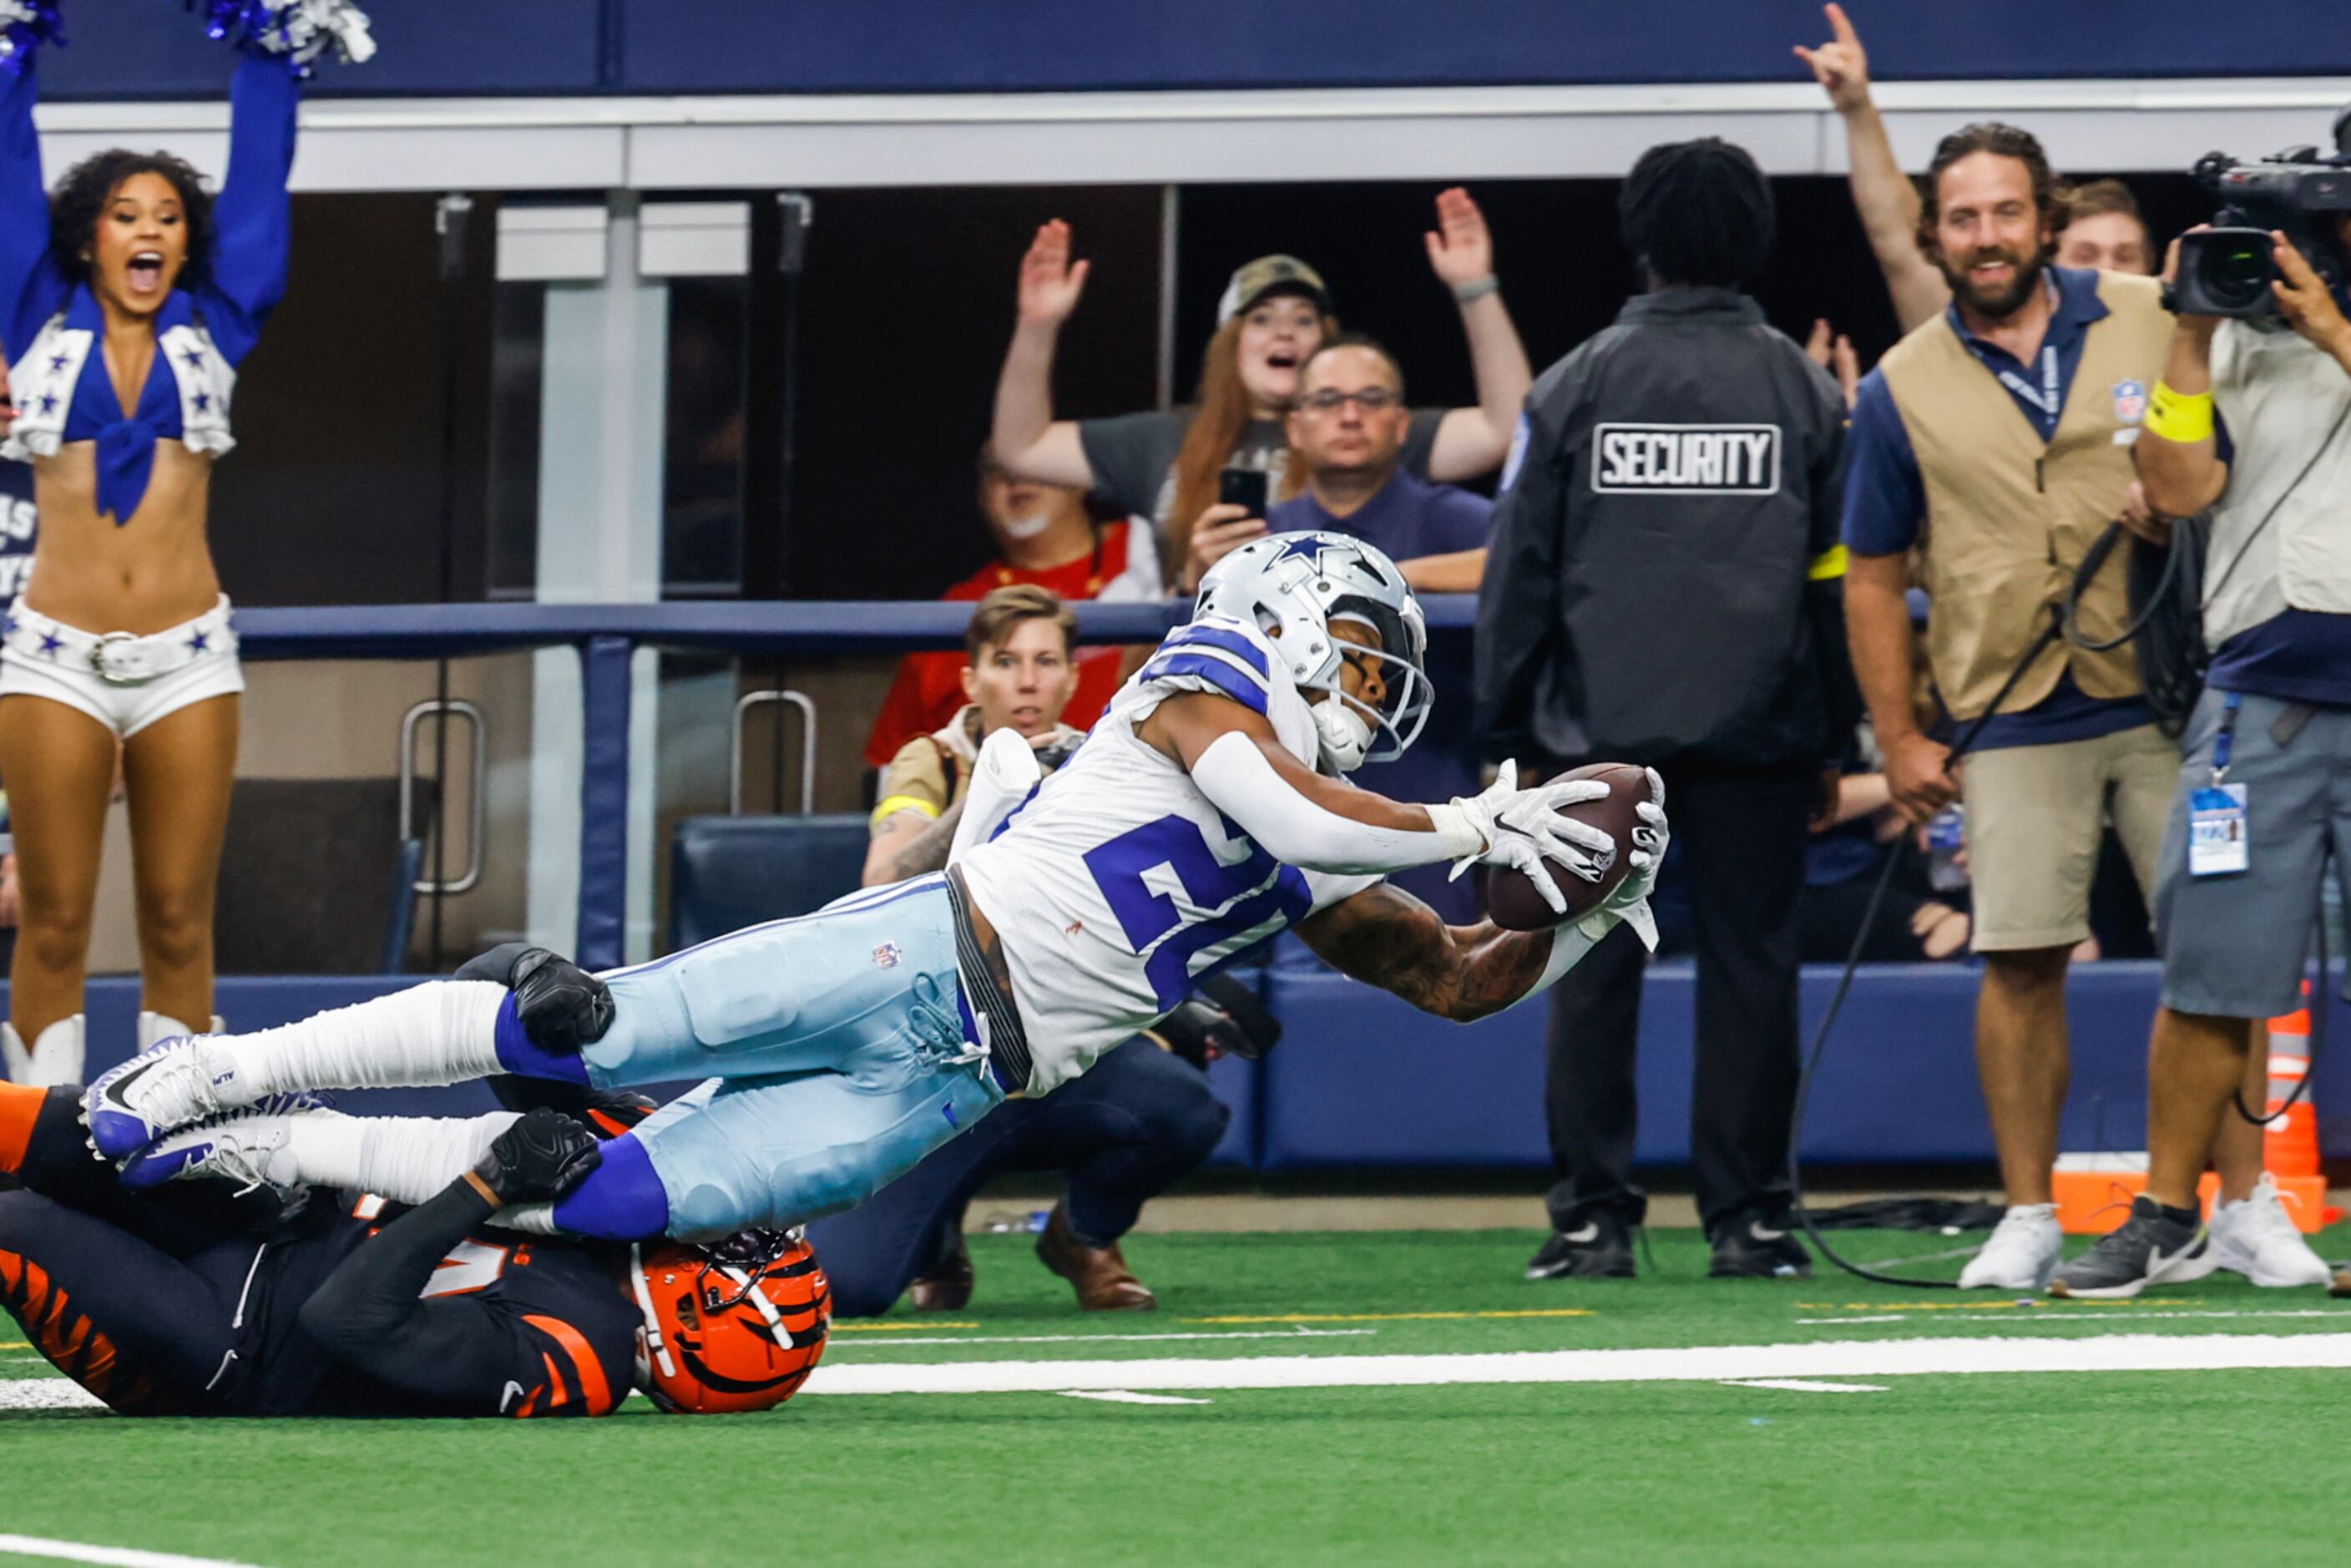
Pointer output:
1385, 936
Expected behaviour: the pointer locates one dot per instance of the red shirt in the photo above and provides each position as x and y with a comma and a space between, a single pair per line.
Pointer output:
929, 688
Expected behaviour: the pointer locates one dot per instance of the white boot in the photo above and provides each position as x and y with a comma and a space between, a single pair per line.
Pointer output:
56, 1057
154, 1027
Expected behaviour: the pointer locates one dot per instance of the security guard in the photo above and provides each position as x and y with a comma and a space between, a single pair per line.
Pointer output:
1662, 589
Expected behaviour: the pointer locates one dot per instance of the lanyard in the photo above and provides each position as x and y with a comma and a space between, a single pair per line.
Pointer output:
2224, 742
2046, 399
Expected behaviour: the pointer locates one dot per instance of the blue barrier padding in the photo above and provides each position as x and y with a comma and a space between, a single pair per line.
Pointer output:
1362, 1080
604, 804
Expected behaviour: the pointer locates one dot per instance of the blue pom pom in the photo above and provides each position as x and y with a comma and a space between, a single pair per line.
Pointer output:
25, 26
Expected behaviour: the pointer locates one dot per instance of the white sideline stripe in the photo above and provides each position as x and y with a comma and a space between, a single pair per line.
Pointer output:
2070, 1320
1804, 1386
47, 1394
118, 1556
1111, 1338
1707, 1363
1128, 1396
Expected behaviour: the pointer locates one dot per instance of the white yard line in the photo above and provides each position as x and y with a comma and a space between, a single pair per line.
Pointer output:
1804, 1386
2068, 1320
116, 1556
1707, 1363
1128, 1396
1112, 1338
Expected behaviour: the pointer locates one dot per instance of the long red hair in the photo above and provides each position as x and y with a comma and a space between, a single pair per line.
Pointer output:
1222, 414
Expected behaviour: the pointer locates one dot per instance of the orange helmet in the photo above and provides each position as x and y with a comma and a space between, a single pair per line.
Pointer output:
735, 1325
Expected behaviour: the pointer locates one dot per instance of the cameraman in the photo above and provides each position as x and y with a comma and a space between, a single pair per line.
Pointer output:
2264, 790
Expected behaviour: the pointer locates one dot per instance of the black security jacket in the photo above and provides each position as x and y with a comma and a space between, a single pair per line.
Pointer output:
1663, 585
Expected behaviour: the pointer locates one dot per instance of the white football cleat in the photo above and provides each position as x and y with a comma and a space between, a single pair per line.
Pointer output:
2024, 1251
2256, 1238
153, 1094
249, 1147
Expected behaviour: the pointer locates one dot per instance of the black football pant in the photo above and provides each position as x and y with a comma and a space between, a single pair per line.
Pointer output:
1137, 1123
1742, 838
134, 1296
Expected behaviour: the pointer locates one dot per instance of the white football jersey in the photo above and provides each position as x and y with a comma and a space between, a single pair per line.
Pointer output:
1118, 884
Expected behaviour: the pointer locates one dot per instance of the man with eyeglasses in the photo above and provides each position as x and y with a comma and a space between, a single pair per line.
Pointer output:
1347, 432
1665, 587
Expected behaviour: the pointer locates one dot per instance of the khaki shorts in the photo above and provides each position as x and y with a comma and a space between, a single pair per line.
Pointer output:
2036, 815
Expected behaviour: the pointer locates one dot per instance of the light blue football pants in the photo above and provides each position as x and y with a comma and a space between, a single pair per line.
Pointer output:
842, 1052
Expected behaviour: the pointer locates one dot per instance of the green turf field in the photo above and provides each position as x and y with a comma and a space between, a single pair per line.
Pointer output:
1653, 1458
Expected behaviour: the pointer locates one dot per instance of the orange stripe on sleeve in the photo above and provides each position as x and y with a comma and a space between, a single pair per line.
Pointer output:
20, 1107
595, 1389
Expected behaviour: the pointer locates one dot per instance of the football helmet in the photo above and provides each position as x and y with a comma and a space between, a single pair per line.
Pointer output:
733, 1326
1293, 587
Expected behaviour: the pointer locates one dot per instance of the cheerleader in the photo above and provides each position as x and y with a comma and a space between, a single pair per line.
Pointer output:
129, 296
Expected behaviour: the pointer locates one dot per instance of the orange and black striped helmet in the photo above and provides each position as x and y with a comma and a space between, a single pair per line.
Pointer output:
733, 1326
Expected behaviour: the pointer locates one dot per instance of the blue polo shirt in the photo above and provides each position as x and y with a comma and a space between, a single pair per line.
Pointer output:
1885, 499
1406, 517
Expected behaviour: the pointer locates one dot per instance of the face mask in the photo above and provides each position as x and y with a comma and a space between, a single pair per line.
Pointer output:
1025, 529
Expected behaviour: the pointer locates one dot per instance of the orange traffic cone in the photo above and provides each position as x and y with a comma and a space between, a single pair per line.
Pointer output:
2290, 1143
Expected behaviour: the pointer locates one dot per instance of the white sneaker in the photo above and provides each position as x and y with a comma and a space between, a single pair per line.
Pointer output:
2256, 1238
2022, 1253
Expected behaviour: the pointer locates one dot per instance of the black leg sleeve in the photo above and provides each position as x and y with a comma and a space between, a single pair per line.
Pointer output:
140, 1328
1742, 838
181, 1219
1589, 1100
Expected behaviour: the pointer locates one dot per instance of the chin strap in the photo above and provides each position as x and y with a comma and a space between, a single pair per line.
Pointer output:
654, 1343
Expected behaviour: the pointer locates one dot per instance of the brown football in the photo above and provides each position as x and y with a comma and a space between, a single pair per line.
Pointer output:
1511, 899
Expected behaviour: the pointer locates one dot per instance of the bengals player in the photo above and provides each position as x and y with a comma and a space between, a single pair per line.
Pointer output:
187, 1302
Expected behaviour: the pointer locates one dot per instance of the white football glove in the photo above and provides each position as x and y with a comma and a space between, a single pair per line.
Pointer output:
1630, 902
1522, 828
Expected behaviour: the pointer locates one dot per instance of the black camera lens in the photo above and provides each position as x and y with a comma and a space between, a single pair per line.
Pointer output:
2237, 274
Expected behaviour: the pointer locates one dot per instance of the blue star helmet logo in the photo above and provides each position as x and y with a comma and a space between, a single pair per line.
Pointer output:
1303, 545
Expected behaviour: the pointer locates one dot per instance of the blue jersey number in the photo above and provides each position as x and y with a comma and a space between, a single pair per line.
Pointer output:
1273, 891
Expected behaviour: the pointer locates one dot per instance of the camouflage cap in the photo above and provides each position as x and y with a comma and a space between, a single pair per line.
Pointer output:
1272, 274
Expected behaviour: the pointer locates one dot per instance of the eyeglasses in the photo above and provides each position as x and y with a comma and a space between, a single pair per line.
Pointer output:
1371, 399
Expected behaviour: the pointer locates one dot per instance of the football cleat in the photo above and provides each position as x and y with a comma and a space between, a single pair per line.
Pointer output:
247, 1146
154, 1092
733, 1326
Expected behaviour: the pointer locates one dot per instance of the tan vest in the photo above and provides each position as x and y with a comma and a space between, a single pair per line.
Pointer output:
2010, 517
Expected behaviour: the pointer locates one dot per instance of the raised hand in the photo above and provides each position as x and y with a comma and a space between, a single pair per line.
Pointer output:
1840, 65
1834, 352
1051, 282
1460, 248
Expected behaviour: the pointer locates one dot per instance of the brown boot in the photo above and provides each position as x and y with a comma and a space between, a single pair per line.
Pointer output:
1101, 1275
946, 1288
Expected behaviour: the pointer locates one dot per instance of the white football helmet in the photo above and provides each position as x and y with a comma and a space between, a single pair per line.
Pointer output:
1293, 587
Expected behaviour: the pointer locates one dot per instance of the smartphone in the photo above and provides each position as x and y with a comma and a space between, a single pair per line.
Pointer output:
1243, 487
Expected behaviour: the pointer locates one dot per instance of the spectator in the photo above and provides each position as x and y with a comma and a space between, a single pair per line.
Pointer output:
1348, 426
1019, 676
2015, 504
2103, 231
1047, 536
2111, 233
1163, 463
17, 541
2260, 796
1918, 921
1662, 591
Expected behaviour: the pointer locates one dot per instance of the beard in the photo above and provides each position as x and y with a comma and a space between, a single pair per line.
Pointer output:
2005, 300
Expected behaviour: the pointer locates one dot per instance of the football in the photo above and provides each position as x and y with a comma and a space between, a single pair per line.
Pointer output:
1512, 901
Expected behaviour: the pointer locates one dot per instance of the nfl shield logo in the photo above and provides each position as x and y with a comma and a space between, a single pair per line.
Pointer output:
886, 955
2130, 401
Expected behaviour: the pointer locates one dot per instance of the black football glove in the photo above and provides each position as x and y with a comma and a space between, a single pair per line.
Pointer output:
539, 1158
1223, 1018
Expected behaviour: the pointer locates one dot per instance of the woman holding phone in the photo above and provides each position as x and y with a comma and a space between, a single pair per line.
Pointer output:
1165, 464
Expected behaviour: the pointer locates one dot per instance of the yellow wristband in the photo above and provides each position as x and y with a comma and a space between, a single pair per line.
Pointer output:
2180, 417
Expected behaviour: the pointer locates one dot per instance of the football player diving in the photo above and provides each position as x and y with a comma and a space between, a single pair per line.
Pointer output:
1209, 810
209, 1301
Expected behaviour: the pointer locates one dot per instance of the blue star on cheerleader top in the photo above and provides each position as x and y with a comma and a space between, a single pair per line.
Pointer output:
53, 328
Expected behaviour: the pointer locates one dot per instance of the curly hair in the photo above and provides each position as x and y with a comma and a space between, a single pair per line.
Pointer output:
2002, 141
1698, 214
88, 185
